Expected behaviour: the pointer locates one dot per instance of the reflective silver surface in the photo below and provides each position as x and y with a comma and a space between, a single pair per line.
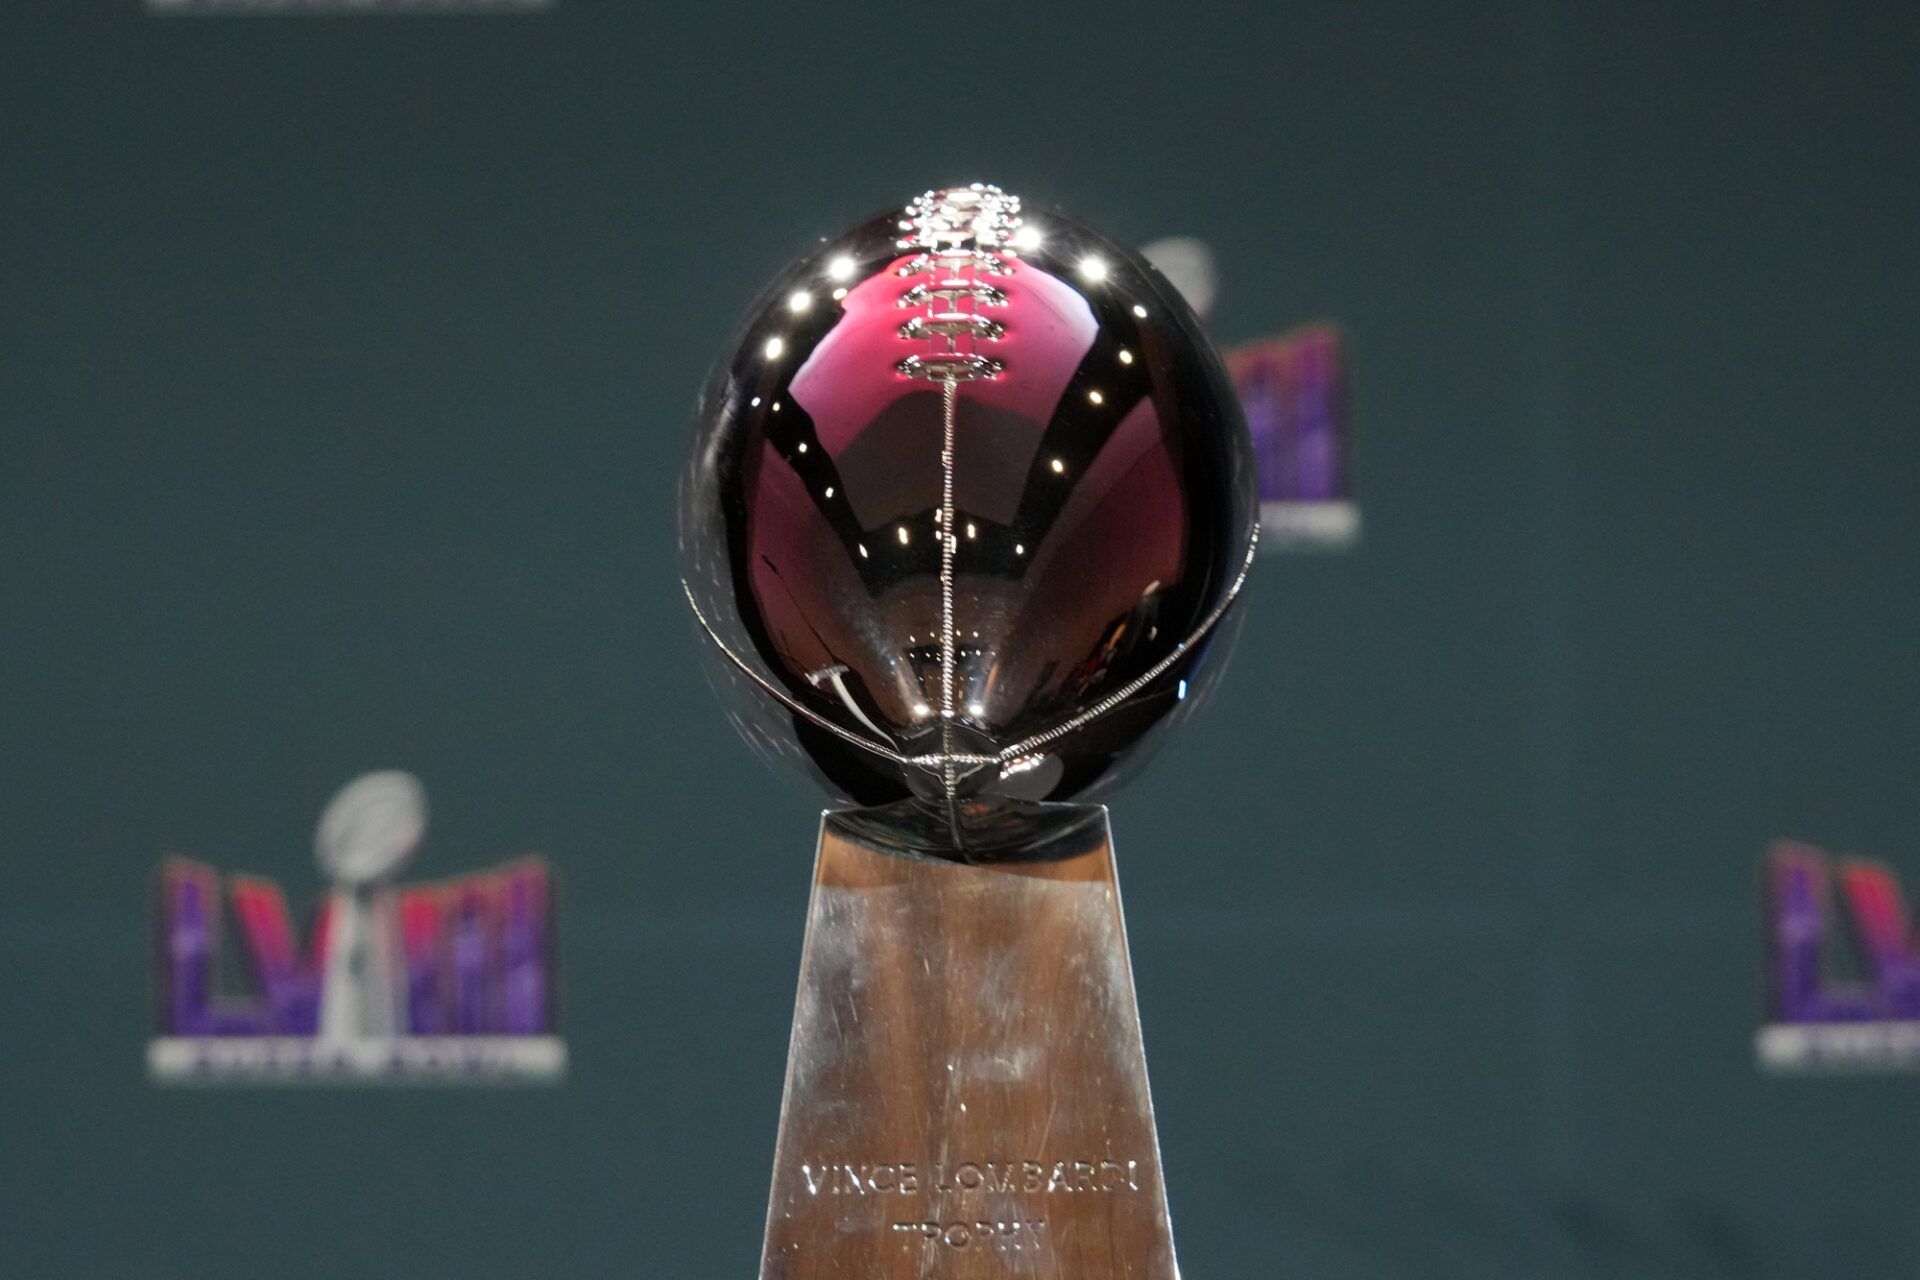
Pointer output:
966, 1093
968, 507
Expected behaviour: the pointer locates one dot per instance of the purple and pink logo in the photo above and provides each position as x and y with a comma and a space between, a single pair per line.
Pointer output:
1842, 965
449, 981
1293, 389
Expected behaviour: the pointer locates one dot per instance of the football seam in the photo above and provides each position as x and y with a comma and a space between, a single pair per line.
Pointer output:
955, 230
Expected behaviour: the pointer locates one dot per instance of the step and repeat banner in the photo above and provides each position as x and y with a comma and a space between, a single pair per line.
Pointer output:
384, 892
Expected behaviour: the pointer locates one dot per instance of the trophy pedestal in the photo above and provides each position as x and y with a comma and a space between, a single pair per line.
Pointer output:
966, 1095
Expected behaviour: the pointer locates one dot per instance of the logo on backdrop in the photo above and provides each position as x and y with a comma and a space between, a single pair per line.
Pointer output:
449, 981
1842, 966
1293, 390
188, 7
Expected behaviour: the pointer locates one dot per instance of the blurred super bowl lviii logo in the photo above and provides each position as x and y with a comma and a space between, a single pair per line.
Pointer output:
447, 981
1842, 965
1293, 391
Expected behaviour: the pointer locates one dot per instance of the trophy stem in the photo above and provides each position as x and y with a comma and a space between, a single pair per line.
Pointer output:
966, 1092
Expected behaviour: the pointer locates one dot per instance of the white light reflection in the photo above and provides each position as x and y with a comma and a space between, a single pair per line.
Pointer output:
775, 345
1126, 356
1059, 466
833, 676
902, 532
1095, 397
1093, 270
1024, 763
1140, 311
799, 301
1027, 238
841, 268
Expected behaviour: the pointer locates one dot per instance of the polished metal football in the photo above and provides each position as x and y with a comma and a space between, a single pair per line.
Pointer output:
970, 502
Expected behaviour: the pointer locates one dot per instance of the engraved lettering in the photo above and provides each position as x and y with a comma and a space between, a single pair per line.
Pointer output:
997, 1177
1010, 1236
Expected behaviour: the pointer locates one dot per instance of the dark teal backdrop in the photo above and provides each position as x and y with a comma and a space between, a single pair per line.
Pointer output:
346, 372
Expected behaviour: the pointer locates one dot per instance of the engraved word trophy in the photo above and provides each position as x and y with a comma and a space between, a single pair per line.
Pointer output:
969, 504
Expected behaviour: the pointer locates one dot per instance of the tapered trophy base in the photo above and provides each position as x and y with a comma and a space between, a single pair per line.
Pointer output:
966, 1094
